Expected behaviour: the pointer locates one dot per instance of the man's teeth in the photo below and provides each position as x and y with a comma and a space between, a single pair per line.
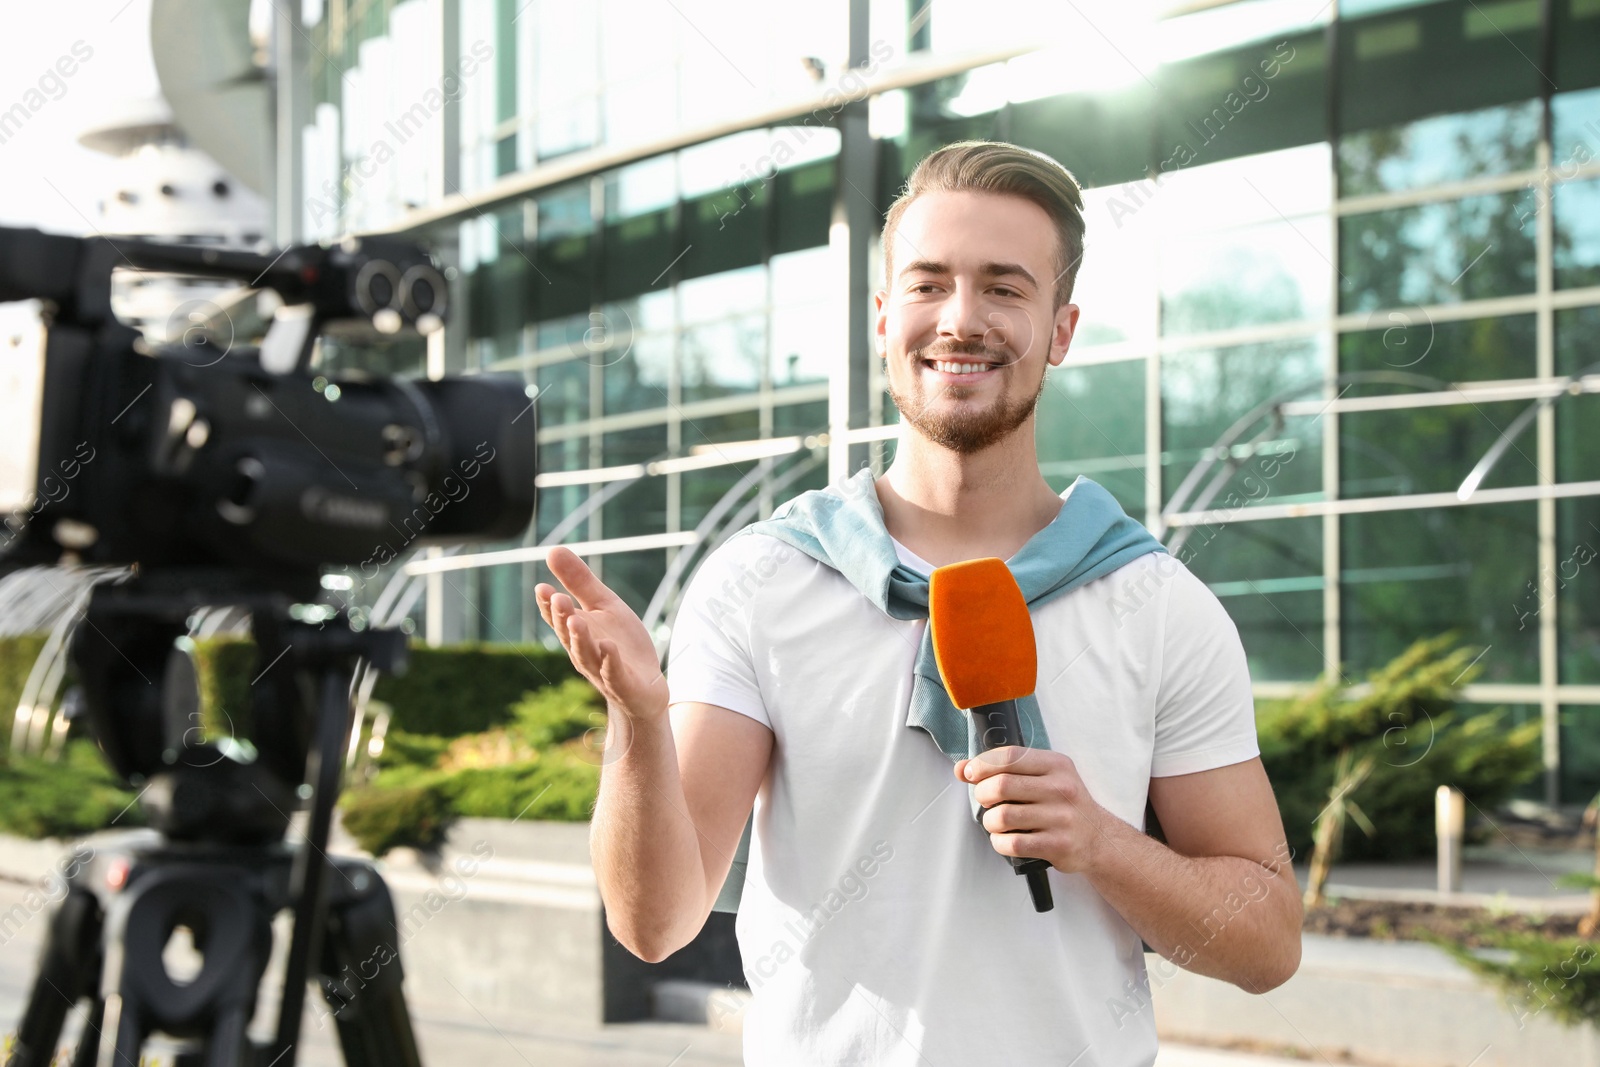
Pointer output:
958, 368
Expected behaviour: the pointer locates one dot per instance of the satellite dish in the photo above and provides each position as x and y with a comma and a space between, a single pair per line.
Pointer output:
219, 97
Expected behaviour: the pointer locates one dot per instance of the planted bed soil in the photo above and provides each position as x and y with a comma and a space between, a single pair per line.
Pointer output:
1390, 920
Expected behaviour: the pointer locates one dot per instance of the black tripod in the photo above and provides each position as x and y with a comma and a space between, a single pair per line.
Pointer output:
219, 865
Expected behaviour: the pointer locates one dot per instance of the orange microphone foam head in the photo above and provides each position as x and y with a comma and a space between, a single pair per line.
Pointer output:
982, 635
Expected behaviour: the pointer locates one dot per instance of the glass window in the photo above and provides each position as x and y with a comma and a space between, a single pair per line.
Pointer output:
1268, 576
1577, 417
1439, 253
634, 576
642, 507
1408, 575
1090, 421
700, 490
1468, 350
1577, 219
563, 392
1574, 128
1580, 753
636, 364
807, 418
1430, 450
1116, 283
1445, 148
1271, 272
806, 331
722, 351
500, 601
1577, 580
1205, 392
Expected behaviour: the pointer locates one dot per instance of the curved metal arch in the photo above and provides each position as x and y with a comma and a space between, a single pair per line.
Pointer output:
1271, 408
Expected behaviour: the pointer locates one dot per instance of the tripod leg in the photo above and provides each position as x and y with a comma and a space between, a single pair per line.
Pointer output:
361, 980
89, 1041
69, 969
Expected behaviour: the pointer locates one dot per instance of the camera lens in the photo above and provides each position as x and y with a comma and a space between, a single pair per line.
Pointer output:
422, 296
381, 290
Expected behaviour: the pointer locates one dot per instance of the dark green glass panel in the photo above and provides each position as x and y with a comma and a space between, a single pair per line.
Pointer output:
1459, 55
1259, 98
1577, 580
642, 507
1430, 449
1407, 575
638, 251
634, 576
635, 373
1439, 253
1580, 753
1090, 421
724, 230
803, 206
1102, 138
1577, 44
1268, 576
1468, 350
563, 392
1578, 417
808, 418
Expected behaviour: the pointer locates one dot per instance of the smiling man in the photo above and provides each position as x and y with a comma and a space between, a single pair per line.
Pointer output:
877, 922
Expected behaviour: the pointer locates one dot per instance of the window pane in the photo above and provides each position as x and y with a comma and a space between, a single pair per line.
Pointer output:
804, 338
1272, 272
1445, 148
1116, 283
808, 418
1090, 421
1435, 253
1577, 417
563, 392
634, 576
637, 379
1268, 576
642, 507
1430, 450
1408, 575
1580, 753
1577, 590
1205, 392
1577, 217
1464, 351
1575, 128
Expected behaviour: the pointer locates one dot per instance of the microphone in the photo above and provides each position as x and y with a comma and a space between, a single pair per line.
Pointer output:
983, 642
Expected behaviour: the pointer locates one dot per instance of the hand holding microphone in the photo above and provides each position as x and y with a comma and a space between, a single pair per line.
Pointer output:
983, 640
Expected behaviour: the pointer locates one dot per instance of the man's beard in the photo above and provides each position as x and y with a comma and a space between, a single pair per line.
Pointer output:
963, 432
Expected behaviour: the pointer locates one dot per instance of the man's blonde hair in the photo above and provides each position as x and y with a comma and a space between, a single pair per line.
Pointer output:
998, 167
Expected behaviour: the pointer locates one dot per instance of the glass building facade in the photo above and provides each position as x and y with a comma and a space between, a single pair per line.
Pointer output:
1337, 254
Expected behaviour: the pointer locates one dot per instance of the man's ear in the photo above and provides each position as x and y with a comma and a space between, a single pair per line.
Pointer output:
879, 327
1066, 324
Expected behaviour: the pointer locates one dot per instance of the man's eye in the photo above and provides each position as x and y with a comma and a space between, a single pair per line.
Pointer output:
1007, 292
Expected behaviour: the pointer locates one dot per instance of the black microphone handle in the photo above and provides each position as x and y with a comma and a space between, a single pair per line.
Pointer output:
999, 725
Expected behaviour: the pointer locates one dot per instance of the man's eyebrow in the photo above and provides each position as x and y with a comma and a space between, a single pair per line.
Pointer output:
990, 270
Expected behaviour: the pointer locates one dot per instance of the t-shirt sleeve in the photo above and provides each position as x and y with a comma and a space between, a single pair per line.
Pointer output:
1205, 713
708, 654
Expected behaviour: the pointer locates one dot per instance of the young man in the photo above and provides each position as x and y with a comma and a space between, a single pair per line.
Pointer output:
879, 923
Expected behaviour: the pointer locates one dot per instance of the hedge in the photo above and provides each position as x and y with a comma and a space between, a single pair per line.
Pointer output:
448, 691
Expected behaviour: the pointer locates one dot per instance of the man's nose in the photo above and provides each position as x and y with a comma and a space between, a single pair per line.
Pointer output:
962, 317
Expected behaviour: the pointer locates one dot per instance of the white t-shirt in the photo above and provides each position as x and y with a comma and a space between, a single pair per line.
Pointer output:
877, 925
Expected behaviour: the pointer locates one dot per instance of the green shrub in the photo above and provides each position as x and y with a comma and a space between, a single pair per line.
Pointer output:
557, 786
16, 660
1406, 718
224, 668
1539, 974
557, 713
75, 795
385, 817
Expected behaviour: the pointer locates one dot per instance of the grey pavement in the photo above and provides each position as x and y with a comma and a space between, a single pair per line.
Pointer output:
453, 1034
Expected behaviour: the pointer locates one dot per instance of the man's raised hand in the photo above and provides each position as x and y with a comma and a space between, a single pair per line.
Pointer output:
603, 637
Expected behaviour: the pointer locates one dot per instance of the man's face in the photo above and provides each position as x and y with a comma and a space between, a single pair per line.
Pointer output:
968, 323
